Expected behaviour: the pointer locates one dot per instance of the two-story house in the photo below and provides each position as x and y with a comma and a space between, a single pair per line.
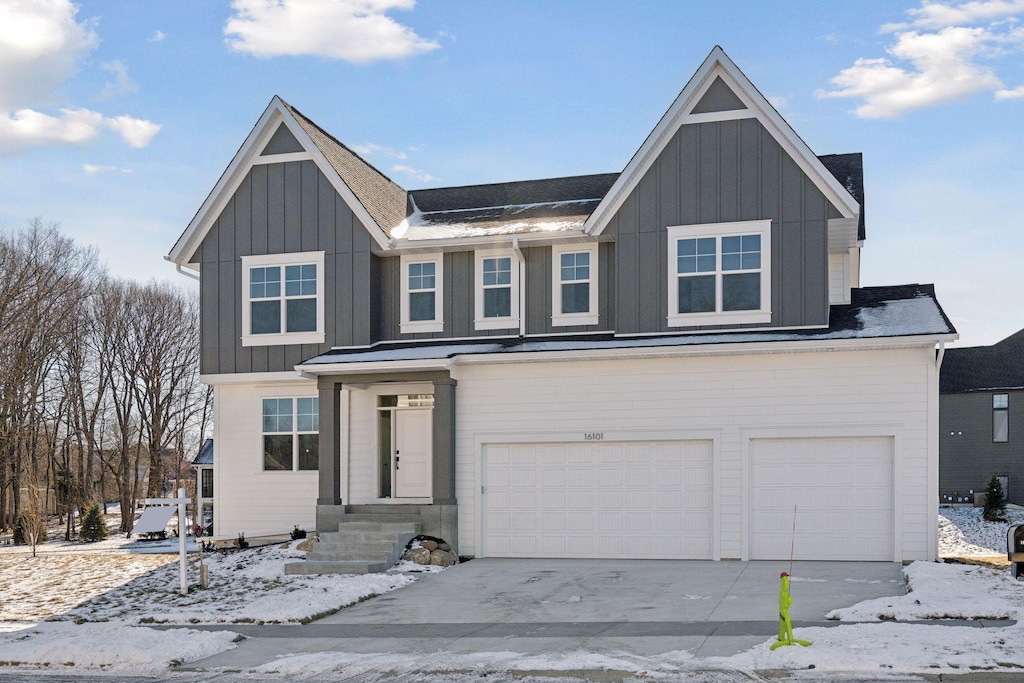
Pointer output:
674, 361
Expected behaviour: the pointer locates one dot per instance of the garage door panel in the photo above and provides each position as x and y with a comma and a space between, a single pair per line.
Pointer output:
843, 492
643, 499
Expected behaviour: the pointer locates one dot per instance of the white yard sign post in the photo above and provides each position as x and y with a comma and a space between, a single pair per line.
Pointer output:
181, 501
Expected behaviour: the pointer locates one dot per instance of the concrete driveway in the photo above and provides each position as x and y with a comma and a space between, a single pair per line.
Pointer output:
545, 607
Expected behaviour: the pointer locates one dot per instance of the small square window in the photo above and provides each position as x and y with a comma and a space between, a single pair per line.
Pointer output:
1000, 401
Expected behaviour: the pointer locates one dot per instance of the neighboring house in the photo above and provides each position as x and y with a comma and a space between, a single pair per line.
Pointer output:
981, 421
667, 362
203, 465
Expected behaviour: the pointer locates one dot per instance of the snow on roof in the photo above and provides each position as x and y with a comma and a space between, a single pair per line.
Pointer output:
878, 312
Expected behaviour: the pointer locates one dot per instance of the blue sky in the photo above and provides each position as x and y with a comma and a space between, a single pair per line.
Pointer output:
117, 118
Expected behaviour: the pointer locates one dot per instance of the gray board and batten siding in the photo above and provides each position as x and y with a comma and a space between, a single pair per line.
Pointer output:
716, 173
968, 457
282, 208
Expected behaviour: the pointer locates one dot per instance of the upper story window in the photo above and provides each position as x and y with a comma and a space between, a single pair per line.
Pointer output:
283, 299
719, 274
422, 293
291, 433
497, 290
574, 285
1000, 418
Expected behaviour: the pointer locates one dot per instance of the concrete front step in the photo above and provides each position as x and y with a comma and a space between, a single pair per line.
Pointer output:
358, 547
404, 518
384, 509
314, 567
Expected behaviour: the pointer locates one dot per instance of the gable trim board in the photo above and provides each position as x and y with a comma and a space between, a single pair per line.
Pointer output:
249, 154
718, 66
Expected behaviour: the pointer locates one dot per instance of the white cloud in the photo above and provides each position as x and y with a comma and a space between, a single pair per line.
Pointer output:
157, 36
41, 46
414, 173
123, 83
93, 169
368, 149
136, 132
936, 15
352, 30
930, 67
28, 128
1014, 94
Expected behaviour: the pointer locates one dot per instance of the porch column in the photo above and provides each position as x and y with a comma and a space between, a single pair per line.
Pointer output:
330, 442
444, 441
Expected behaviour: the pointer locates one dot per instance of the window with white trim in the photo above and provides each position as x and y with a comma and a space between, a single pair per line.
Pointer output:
1000, 418
283, 299
574, 285
719, 274
422, 293
497, 290
291, 434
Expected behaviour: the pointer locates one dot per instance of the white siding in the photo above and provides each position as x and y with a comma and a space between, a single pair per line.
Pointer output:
729, 399
248, 499
839, 282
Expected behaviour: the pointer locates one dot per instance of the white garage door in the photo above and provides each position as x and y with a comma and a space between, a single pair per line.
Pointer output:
843, 492
602, 500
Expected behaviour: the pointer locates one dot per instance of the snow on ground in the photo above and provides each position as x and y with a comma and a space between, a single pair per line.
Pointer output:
95, 601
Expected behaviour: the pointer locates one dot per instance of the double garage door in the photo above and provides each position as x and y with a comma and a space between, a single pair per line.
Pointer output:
654, 499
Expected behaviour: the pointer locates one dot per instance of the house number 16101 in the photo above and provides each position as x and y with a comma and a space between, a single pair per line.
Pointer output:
593, 436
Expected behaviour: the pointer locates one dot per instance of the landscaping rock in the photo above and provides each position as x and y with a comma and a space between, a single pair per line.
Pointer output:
430, 545
442, 558
417, 555
444, 546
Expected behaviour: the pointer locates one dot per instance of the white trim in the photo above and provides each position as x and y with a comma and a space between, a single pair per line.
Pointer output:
317, 336
718, 64
282, 158
715, 116
590, 317
276, 113
505, 322
717, 231
689, 350
437, 324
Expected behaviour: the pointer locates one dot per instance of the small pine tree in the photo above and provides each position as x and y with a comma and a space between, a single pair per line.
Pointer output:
94, 527
995, 501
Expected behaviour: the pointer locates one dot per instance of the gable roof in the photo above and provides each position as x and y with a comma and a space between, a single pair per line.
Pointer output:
528, 206
347, 172
383, 198
984, 368
205, 454
718, 69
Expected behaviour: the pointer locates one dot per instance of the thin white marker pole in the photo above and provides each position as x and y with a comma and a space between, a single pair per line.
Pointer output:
181, 539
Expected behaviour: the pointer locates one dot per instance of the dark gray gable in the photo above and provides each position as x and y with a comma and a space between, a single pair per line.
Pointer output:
282, 142
719, 97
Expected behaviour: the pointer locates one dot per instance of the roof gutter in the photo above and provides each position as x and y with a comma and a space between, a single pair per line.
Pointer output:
177, 266
522, 285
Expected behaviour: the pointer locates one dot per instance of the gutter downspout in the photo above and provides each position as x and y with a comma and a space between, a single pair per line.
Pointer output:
178, 267
939, 356
522, 285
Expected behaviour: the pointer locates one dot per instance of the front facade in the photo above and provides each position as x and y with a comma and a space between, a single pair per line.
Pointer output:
667, 362
981, 431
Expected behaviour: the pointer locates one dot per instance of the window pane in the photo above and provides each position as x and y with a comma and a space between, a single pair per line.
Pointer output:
277, 415
576, 298
207, 483
421, 306
1000, 425
741, 252
1000, 400
697, 294
741, 292
705, 264
309, 451
307, 414
498, 302
300, 280
272, 277
277, 452
301, 315
265, 317
497, 271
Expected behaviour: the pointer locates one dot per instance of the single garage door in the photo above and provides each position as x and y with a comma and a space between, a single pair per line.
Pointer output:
843, 492
598, 499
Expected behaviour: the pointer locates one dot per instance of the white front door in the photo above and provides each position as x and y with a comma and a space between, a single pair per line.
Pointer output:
413, 451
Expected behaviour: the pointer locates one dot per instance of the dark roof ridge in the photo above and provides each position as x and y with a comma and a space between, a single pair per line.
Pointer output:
518, 182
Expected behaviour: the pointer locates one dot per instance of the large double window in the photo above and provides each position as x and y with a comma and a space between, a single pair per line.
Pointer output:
422, 293
497, 290
283, 299
291, 433
574, 285
719, 274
